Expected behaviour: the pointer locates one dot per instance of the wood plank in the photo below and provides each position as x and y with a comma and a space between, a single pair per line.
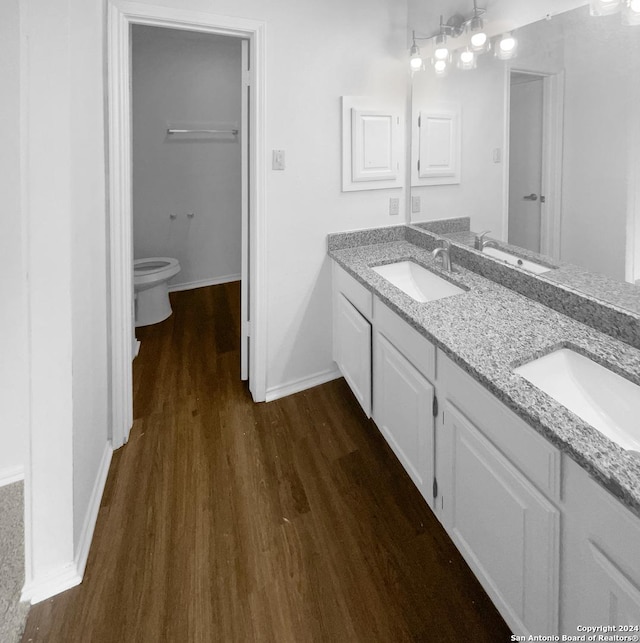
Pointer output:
225, 520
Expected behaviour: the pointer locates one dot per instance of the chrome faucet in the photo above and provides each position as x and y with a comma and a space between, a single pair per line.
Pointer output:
480, 242
444, 252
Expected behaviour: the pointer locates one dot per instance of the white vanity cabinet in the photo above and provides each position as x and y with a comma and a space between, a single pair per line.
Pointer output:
495, 479
550, 546
403, 397
352, 311
390, 368
601, 558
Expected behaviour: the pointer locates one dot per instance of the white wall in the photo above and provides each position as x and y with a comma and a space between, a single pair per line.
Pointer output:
480, 95
189, 79
64, 156
88, 266
315, 53
598, 98
13, 277
47, 207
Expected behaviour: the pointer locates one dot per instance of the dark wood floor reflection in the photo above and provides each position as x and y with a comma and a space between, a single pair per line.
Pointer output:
229, 521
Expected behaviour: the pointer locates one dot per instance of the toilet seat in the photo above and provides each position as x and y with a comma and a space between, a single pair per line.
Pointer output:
154, 269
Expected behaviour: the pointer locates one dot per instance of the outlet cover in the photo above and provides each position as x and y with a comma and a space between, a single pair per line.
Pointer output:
394, 206
415, 204
277, 160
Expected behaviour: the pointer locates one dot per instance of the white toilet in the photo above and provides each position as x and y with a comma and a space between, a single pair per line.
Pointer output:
150, 277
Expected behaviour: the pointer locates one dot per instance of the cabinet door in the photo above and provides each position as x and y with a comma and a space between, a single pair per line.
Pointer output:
352, 350
403, 401
601, 558
506, 530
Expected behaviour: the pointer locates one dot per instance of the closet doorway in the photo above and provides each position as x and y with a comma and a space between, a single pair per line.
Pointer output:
122, 18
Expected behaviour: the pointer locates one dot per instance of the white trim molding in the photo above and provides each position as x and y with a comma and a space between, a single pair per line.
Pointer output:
121, 15
11, 475
203, 283
91, 517
552, 148
70, 574
57, 580
302, 384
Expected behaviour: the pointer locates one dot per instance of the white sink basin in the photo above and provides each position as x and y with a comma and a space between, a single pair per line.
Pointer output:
417, 282
605, 400
514, 260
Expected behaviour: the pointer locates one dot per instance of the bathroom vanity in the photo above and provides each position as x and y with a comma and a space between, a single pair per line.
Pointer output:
543, 507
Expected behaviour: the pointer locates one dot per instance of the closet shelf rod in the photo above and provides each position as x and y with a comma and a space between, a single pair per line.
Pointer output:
203, 131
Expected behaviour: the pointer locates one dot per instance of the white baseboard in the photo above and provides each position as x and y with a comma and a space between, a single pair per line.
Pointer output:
57, 580
86, 536
201, 283
70, 574
302, 384
11, 475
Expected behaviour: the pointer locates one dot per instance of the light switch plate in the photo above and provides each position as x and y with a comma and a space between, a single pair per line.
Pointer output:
277, 160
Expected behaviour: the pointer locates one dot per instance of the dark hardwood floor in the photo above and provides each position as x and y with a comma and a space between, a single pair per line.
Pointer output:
225, 520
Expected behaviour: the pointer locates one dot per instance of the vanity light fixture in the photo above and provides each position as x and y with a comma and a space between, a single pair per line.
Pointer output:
604, 7
506, 46
415, 57
630, 10
475, 26
476, 42
440, 48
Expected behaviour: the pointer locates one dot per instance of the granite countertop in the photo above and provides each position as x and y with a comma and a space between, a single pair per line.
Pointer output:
489, 330
616, 293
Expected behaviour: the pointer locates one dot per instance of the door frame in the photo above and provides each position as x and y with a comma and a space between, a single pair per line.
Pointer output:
120, 16
632, 249
552, 137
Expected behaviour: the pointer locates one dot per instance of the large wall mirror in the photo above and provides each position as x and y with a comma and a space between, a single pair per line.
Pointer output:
549, 152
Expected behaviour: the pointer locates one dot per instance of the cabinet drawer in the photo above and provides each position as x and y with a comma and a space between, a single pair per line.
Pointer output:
532, 454
416, 348
354, 291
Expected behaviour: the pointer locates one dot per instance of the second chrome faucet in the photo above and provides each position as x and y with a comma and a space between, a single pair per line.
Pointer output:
481, 243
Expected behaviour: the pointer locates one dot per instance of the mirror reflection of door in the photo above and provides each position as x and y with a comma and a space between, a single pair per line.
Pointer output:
525, 159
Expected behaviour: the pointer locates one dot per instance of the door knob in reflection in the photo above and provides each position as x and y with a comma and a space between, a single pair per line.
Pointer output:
531, 197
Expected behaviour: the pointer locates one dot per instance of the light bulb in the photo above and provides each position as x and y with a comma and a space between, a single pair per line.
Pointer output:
415, 61
507, 44
440, 67
631, 13
441, 53
440, 49
466, 59
507, 47
479, 40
